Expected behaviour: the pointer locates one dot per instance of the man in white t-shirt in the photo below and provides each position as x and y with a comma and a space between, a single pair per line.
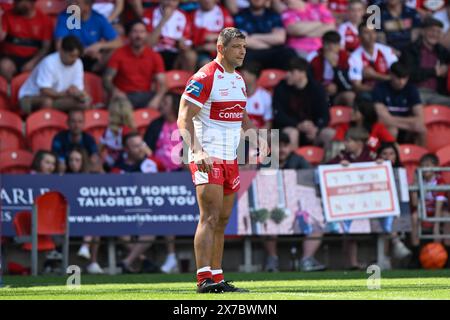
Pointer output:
57, 81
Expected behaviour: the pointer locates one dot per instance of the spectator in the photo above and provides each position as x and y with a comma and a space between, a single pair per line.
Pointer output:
44, 162
339, 8
162, 134
349, 30
300, 106
444, 17
78, 162
356, 150
25, 37
429, 61
265, 35
121, 122
399, 24
306, 22
66, 140
330, 68
365, 116
110, 9
398, 106
208, 21
137, 160
370, 62
388, 151
170, 34
132, 69
259, 100
288, 159
57, 81
95, 33
436, 203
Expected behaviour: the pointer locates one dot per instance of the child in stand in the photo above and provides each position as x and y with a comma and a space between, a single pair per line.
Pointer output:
121, 122
436, 203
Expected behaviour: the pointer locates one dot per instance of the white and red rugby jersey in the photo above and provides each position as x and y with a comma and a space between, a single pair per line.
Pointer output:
222, 98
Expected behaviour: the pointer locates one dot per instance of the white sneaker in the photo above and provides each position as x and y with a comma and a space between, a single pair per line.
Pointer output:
54, 255
94, 268
84, 252
386, 265
170, 265
399, 250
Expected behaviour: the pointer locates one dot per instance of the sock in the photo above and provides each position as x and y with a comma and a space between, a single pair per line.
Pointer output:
203, 274
217, 275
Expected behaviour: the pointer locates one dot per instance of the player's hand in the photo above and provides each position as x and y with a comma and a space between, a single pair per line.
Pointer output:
263, 148
203, 161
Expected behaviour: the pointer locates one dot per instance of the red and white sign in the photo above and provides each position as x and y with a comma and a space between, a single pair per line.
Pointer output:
359, 191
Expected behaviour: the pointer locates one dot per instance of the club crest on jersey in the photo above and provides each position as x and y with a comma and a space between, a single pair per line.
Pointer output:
194, 88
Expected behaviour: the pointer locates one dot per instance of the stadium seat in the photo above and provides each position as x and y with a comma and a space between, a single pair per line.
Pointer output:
22, 226
314, 155
444, 160
410, 156
4, 101
51, 7
96, 121
11, 131
15, 161
339, 115
269, 78
143, 117
176, 80
16, 83
42, 126
51, 211
437, 121
94, 87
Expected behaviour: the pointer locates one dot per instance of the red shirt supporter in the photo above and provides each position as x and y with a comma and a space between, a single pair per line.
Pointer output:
176, 28
259, 107
338, 6
206, 23
381, 60
322, 70
222, 99
349, 36
24, 36
432, 197
135, 72
378, 134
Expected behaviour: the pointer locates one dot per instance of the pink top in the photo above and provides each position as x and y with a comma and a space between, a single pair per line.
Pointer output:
165, 147
310, 13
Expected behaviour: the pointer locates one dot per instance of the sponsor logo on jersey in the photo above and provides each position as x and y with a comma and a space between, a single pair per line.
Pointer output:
227, 110
194, 88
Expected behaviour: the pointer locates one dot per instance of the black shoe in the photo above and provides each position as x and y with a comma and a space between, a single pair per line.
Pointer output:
124, 267
209, 286
149, 267
228, 287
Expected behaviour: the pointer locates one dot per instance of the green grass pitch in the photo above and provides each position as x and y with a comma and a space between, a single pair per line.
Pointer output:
411, 284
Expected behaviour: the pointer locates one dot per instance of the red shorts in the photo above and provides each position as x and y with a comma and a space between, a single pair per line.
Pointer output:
225, 173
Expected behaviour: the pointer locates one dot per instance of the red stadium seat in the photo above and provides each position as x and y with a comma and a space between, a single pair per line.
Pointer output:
269, 78
42, 126
16, 83
11, 131
4, 101
51, 211
410, 156
15, 161
22, 225
313, 155
143, 117
51, 7
94, 87
340, 115
96, 121
176, 80
437, 121
444, 160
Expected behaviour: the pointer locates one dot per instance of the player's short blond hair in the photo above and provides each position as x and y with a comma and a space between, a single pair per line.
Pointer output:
228, 34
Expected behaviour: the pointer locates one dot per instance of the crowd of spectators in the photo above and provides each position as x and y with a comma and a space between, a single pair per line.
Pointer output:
329, 51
